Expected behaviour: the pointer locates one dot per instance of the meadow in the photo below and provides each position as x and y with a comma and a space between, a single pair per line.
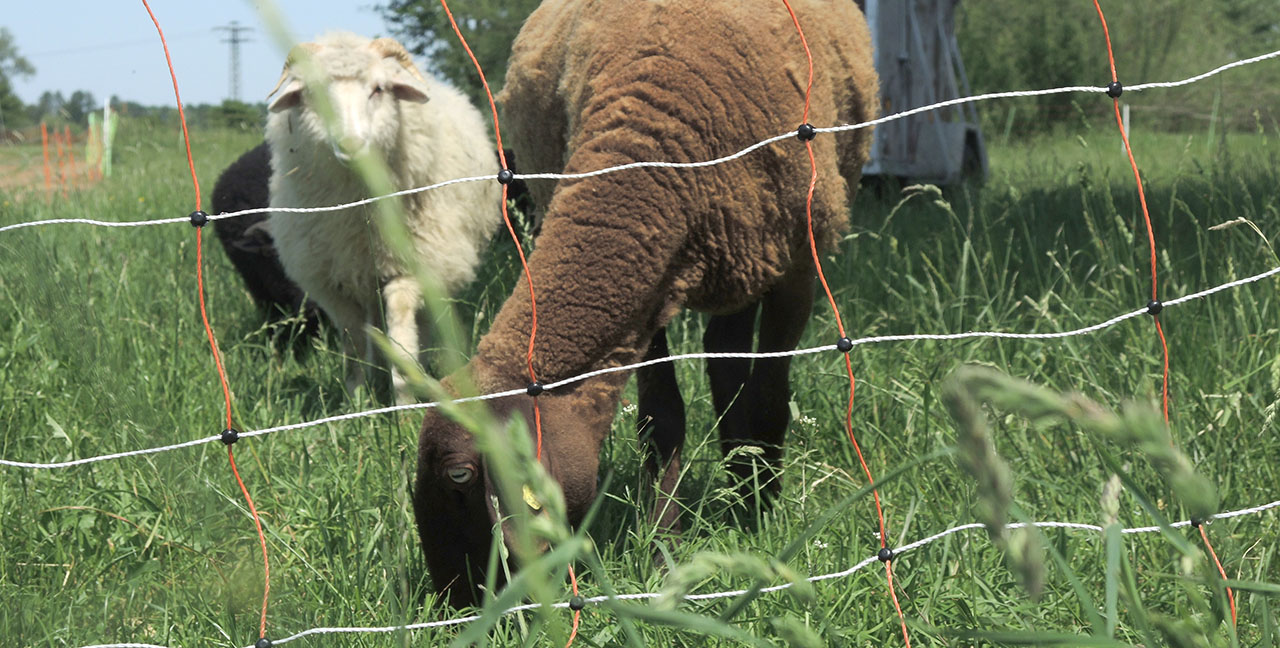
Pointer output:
102, 350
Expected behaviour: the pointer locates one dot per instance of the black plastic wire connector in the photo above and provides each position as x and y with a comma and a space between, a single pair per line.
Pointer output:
577, 603
230, 436
1197, 522
535, 388
844, 345
262, 643
1154, 307
506, 176
198, 218
1115, 89
806, 132
885, 554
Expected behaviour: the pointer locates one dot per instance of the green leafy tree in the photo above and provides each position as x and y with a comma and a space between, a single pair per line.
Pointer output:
1014, 44
238, 114
13, 114
12, 64
79, 106
49, 106
489, 26
1255, 26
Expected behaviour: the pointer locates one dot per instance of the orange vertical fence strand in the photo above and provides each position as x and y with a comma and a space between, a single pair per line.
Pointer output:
577, 614
262, 540
1231, 599
524, 264
1151, 239
213, 343
59, 158
826, 288
71, 157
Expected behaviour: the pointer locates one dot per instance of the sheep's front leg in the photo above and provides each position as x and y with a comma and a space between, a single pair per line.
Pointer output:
661, 428
403, 299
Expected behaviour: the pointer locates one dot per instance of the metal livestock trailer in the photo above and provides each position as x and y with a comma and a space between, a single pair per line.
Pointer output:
919, 64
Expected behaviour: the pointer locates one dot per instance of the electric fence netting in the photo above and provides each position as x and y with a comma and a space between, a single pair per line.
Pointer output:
658, 164
887, 554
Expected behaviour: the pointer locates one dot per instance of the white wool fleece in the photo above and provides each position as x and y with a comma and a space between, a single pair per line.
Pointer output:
338, 257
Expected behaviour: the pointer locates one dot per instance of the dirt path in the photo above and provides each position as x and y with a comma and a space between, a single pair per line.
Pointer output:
22, 169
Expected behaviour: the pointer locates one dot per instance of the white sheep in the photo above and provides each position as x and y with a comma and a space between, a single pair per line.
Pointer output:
425, 132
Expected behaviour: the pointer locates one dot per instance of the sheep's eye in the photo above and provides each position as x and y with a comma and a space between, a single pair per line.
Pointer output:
377, 90
461, 474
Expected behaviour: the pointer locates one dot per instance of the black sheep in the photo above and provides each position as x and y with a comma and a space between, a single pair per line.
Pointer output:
243, 185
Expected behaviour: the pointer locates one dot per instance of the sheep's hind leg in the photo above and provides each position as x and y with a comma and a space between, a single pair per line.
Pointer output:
784, 314
403, 299
752, 396
660, 426
733, 333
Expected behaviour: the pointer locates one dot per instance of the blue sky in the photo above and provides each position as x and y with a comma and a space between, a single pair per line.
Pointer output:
111, 47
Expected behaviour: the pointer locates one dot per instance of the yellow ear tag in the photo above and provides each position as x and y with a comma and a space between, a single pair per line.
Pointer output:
530, 499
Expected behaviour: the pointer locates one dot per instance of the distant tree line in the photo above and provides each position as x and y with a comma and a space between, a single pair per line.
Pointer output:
230, 113
56, 108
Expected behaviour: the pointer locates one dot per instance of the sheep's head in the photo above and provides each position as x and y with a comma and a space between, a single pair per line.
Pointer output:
362, 82
458, 507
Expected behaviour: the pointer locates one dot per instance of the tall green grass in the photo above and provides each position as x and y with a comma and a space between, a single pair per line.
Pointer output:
101, 350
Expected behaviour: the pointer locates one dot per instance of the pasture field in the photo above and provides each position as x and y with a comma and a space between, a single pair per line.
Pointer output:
102, 351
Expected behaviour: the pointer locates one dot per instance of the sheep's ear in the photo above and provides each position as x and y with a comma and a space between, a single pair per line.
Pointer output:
290, 97
408, 91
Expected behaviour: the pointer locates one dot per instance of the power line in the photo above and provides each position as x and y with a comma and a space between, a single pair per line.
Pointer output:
149, 41
235, 37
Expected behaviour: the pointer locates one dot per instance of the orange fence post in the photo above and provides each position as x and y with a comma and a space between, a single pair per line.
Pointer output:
60, 153
71, 156
44, 142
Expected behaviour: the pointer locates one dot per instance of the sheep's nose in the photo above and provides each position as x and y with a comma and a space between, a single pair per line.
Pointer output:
347, 146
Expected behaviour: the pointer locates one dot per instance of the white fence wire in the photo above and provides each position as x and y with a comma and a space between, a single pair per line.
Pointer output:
878, 339
656, 164
709, 596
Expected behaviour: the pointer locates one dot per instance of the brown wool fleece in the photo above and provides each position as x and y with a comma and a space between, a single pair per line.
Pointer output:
596, 83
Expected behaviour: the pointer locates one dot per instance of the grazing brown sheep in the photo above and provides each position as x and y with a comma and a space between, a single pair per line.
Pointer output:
597, 83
